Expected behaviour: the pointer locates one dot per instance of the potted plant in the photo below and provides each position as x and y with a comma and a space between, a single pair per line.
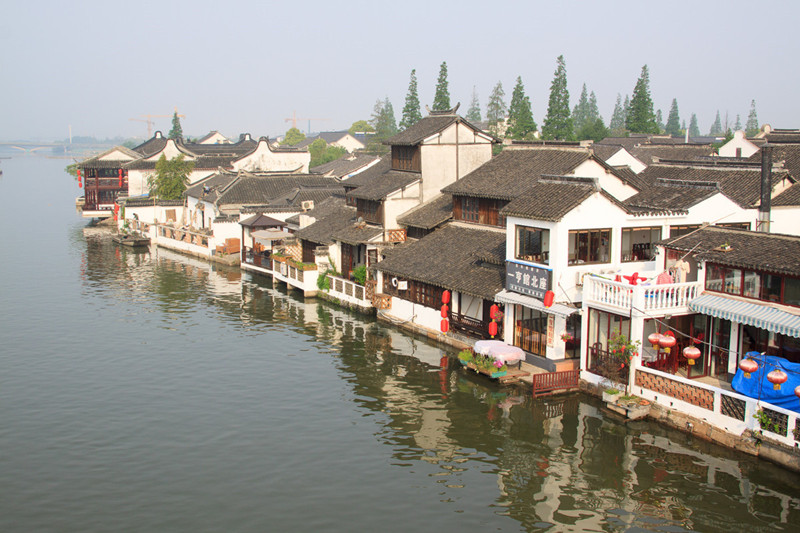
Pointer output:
621, 351
611, 395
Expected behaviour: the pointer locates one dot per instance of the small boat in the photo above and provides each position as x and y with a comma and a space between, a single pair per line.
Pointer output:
133, 241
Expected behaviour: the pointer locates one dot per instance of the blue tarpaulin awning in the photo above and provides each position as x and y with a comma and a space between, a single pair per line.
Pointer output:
760, 315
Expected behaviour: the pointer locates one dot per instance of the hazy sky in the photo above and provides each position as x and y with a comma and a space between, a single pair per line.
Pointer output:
247, 65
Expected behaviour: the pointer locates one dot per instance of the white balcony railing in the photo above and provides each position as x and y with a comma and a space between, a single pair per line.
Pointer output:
349, 291
666, 298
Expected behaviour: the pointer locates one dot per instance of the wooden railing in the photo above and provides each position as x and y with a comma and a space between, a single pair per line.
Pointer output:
471, 326
530, 340
550, 382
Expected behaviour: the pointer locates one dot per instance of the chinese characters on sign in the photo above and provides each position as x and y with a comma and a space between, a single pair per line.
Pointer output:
526, 279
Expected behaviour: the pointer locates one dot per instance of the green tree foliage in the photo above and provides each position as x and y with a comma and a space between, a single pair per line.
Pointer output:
176, 133
441, 101
641, 118
360, 126
751, 126
694, 129
716, 126
293, 136
581, 109
738, 125
72, 170
673, 120
411, 111
659, 121
474, 111
520, 116
558, 122
496, 109
171, 178
384, 123
617, 124
321, 153
594, 129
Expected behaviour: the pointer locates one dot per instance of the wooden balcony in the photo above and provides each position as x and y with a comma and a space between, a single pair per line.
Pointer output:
471, 326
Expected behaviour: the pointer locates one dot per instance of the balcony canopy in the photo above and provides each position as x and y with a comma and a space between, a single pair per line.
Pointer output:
761, 316
508, 297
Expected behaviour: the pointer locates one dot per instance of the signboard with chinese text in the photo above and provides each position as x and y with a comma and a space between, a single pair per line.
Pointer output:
527, 279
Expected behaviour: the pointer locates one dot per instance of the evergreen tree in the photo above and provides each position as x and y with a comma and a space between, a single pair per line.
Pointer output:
694, 129
441, 101
617, 123
496, 108
641, 118
738, 125
411, 111
520, 116
171, 178
673, 121
176, 133
581, 110
474, 112
594, 129
383, 120
593, 112
716, 126
558, 123
659, 121
683, 126
751, 126
626, 108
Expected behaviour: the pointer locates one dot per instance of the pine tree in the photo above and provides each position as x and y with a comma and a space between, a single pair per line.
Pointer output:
659, 121
673, 121
716, 126
593, 112
641, 118
384, 123
176, 133
441, 101
626, 108
496, 108
694, 129
751, 127
520, 116
558, 123
580, 111
617, 123
474, 112
594, 129
411, 111
738, 125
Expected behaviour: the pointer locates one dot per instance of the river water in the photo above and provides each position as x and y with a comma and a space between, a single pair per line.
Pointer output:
155, 392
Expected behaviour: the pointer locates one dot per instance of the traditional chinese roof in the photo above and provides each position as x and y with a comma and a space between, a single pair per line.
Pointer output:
321, 209
430, 214
512, 172
379, 187
551, 197
357, 233
788, 154
145, 201
98, 161
260, 220
336, 218
434, 123
242, 147
375, 171
670, 196
605, 151
152, 146
771, 252
777, 135
450, 258
345, 165
789, 197
651, 153
740, 182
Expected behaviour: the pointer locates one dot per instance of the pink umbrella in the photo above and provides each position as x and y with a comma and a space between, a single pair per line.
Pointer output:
499, 350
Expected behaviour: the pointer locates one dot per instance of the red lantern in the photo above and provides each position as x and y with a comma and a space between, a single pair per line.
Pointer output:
445, 311
654, 339
776, 377
691, 353
549, 296
120, 178
667, 341
748, 366
79, 179
797, 391
493, 311
445, 325
493, 329
446, 297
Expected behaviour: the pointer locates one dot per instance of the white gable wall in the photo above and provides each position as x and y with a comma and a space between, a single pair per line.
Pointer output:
398, 203
264, 159
739, 142
785, 220
624, 158
608, 181
116, 155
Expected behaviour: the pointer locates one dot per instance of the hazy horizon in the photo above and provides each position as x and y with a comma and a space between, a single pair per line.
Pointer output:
248, 66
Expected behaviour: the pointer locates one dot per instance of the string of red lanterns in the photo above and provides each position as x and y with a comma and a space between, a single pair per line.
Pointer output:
445, 323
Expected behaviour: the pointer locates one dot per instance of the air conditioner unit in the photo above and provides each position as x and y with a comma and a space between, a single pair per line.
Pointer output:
307, 205
402, 285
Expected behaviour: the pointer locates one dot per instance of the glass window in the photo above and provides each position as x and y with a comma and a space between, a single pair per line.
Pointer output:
752, 284
733, 281
714, 278
533, 244
770, 287
791, 291
589, 246
637, 243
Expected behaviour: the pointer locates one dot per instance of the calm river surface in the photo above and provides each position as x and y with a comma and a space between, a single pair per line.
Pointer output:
154, 392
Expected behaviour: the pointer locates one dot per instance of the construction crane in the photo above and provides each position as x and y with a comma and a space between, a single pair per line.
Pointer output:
150, 123
294, 120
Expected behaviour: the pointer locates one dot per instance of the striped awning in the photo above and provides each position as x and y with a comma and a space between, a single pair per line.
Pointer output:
508, 297
753, 314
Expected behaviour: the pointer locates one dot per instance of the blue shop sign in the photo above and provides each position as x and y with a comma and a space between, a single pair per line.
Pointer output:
527, 279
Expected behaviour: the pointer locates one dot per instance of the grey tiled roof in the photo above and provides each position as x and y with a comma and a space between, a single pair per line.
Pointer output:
323, 229
550, 198
345, 165
740, 182
200, 163
152, 146
453, 257
749, 249
423, 129
260, 220
649, 153
321, 209
789, 197
513, 171
357, 233
373, 172
788, 154
671, 196
381, 186
430, 214
239, 149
